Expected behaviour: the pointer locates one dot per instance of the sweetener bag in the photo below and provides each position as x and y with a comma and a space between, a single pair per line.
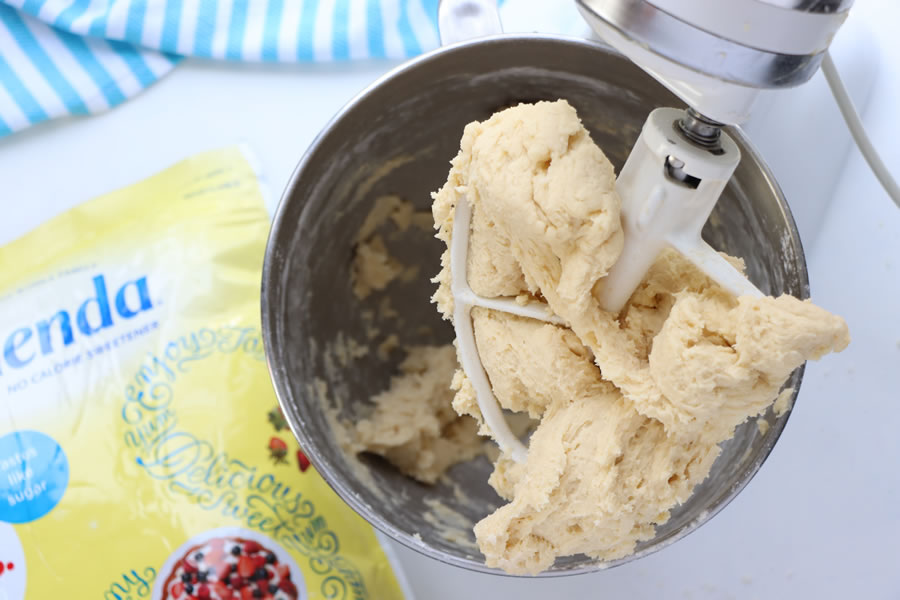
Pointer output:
142, 451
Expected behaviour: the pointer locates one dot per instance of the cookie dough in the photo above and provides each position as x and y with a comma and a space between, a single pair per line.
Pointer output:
413, 424
373, 267
632, 407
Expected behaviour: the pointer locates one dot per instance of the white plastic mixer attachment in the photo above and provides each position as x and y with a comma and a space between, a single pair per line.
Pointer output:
668, 186
464, 299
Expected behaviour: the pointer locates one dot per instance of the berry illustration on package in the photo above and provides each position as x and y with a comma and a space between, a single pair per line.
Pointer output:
278, 450
230, 569
276, 418
302, 461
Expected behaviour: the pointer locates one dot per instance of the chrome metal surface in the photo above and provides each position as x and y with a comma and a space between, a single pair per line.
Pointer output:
397, 137
813, 6
675, 170
700, 130
706, 52
759, 24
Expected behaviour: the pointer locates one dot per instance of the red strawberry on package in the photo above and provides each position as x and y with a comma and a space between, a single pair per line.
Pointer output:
302, 461
278, 449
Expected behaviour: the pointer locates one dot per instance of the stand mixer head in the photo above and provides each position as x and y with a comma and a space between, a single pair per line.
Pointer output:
716, 55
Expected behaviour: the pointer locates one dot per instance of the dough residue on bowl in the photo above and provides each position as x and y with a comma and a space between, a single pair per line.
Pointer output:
373, 265
632, 407
413, 424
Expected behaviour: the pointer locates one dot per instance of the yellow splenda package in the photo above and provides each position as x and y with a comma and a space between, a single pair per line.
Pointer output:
142, 451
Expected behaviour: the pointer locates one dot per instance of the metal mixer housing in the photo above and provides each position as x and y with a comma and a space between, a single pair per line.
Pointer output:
716, 55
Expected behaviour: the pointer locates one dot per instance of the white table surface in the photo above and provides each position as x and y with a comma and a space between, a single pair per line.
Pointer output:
822, 517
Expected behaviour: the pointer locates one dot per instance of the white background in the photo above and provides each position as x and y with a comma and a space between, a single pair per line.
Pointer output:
820, 520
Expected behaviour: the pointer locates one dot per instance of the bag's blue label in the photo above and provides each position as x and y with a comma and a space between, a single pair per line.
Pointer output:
93, 315
34, 473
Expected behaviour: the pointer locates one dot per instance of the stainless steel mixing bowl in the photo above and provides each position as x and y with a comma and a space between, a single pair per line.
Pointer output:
397, 137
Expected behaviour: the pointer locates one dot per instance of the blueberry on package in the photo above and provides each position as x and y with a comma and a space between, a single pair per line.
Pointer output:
142, 450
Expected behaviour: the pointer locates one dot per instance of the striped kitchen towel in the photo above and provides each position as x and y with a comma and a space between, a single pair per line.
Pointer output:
74, 57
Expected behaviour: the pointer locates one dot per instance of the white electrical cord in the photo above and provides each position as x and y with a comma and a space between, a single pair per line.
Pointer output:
854, 124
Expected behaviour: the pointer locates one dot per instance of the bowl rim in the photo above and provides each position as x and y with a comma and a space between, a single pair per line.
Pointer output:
273, 334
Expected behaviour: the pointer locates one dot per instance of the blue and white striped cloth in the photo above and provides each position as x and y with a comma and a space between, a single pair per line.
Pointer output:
75, 57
